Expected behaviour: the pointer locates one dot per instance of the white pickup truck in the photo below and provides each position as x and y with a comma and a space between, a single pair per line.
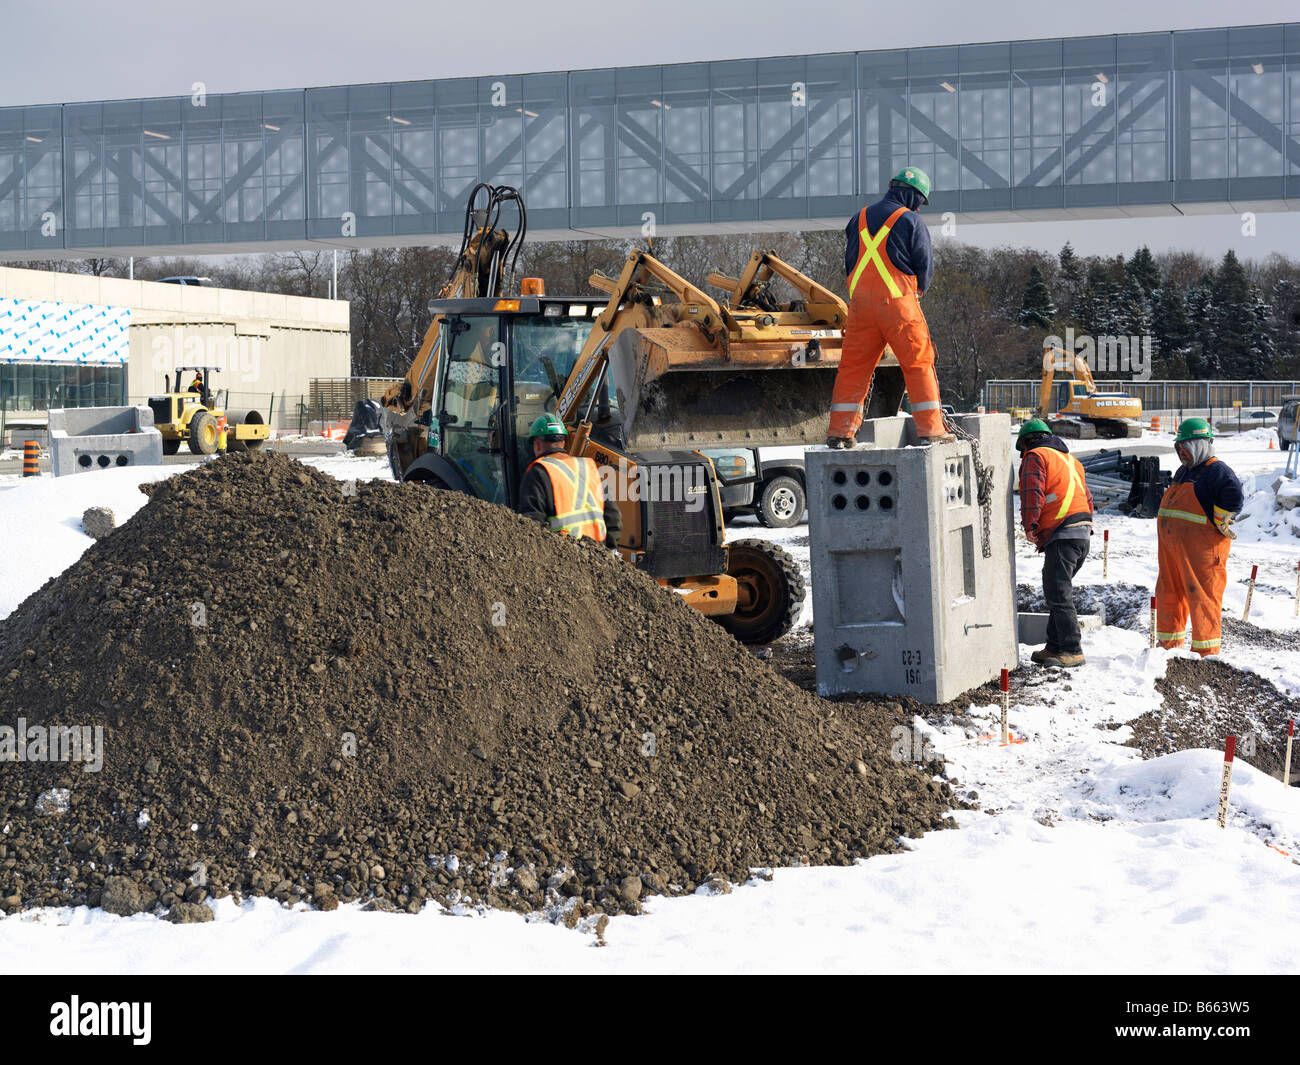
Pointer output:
764, 481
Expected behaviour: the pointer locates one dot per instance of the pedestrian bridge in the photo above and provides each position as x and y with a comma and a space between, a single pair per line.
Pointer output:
1110, 126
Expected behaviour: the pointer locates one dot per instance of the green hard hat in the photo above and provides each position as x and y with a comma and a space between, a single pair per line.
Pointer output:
1194, 429
917, 178
547, 425
1034, 425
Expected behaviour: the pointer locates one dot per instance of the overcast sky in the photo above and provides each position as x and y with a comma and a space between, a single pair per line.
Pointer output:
69, 50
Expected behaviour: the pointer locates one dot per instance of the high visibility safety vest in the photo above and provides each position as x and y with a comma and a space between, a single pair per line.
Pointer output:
1064, 492
871, 253
579, 502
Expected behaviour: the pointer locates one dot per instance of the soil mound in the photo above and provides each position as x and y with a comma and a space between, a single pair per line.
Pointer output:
325, 691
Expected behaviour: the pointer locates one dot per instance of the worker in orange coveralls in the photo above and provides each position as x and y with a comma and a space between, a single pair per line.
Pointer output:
889, 264
1194, 531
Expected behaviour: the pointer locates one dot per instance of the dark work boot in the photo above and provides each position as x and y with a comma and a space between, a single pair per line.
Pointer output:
839, 443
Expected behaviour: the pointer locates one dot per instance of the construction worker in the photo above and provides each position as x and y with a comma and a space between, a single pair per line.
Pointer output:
1056, 512
197, 384
1194, 530
889, 265
565, 491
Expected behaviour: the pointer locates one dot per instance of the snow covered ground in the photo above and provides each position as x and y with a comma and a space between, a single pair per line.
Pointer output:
1081, 858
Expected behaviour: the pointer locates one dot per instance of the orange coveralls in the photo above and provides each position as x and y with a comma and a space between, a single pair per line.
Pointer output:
1193, 571
884, 309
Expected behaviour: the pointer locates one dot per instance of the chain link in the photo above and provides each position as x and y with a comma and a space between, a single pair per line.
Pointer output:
983, 485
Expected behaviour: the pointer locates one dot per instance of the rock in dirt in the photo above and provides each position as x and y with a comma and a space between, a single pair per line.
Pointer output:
497, 708
188, 913
98, 522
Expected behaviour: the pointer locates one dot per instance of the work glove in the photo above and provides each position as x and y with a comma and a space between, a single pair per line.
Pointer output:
1223, 522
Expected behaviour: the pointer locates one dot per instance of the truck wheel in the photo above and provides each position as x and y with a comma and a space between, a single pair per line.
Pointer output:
170, 447
771, 591
781, 503
203, 434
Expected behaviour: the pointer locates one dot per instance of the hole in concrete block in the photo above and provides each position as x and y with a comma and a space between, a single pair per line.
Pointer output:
848, 658
103, 462
122, 460
863, 503
884, 477
84, 461
839, 502
863, 477
839, 477
886, 503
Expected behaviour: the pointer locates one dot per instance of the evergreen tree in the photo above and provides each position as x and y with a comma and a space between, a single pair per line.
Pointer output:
1036, 307
1236, 327
1203, 356
1143, 270
1070, 280
1171, 332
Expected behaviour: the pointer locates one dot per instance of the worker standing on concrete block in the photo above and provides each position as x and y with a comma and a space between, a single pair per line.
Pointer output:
1194, 530
1056, 511
565, 491
889, 264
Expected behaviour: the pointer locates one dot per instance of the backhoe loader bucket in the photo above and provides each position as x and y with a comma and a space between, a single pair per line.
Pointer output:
676, 390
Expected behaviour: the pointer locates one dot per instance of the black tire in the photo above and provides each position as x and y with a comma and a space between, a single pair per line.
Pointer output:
170, 447
781, 503
203, 434
771, 594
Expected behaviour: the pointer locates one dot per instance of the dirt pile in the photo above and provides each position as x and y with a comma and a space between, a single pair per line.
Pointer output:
325, 691
1205, 700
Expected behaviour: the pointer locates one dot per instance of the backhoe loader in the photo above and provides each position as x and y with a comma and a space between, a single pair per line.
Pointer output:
645, 377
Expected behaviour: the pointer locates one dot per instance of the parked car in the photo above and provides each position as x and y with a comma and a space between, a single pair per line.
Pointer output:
185, 279
768, 482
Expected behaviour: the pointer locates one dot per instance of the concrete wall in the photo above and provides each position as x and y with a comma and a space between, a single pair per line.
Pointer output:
267, 345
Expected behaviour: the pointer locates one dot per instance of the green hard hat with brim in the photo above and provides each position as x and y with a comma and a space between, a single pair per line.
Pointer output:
1194, 429
548, 426
1034, 425
916, 178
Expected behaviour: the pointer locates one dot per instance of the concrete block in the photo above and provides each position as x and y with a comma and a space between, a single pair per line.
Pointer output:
904, 601
83, 439
1033, 627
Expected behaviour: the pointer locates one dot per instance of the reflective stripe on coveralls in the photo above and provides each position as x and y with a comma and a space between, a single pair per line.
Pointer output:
579, 504
1193, 571
884, 310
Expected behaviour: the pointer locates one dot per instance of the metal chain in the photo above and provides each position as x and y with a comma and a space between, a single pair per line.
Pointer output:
983, 485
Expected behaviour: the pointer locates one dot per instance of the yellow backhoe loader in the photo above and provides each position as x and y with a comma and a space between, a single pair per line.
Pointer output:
645, 377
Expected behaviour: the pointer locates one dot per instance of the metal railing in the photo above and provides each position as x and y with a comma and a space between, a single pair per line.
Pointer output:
1193, 397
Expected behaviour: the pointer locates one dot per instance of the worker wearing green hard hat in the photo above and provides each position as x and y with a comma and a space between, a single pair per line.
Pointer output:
565, 491
889, 265
1056, 512
1194, 536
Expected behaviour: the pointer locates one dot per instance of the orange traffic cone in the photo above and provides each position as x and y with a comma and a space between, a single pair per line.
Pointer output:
1270, 443
1155, 424
31, 458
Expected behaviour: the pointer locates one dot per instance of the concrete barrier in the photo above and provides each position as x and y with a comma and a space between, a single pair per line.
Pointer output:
904, 600
83, 439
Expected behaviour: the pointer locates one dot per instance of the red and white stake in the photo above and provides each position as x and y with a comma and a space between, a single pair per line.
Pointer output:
1297, 589
1250, 592
1153, 621
1006, 704
1286, 770
1229, 749
1105, 554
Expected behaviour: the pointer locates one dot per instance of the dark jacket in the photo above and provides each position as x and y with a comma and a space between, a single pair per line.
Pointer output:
1033, 482
537, 501
1216, 486
908, 244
